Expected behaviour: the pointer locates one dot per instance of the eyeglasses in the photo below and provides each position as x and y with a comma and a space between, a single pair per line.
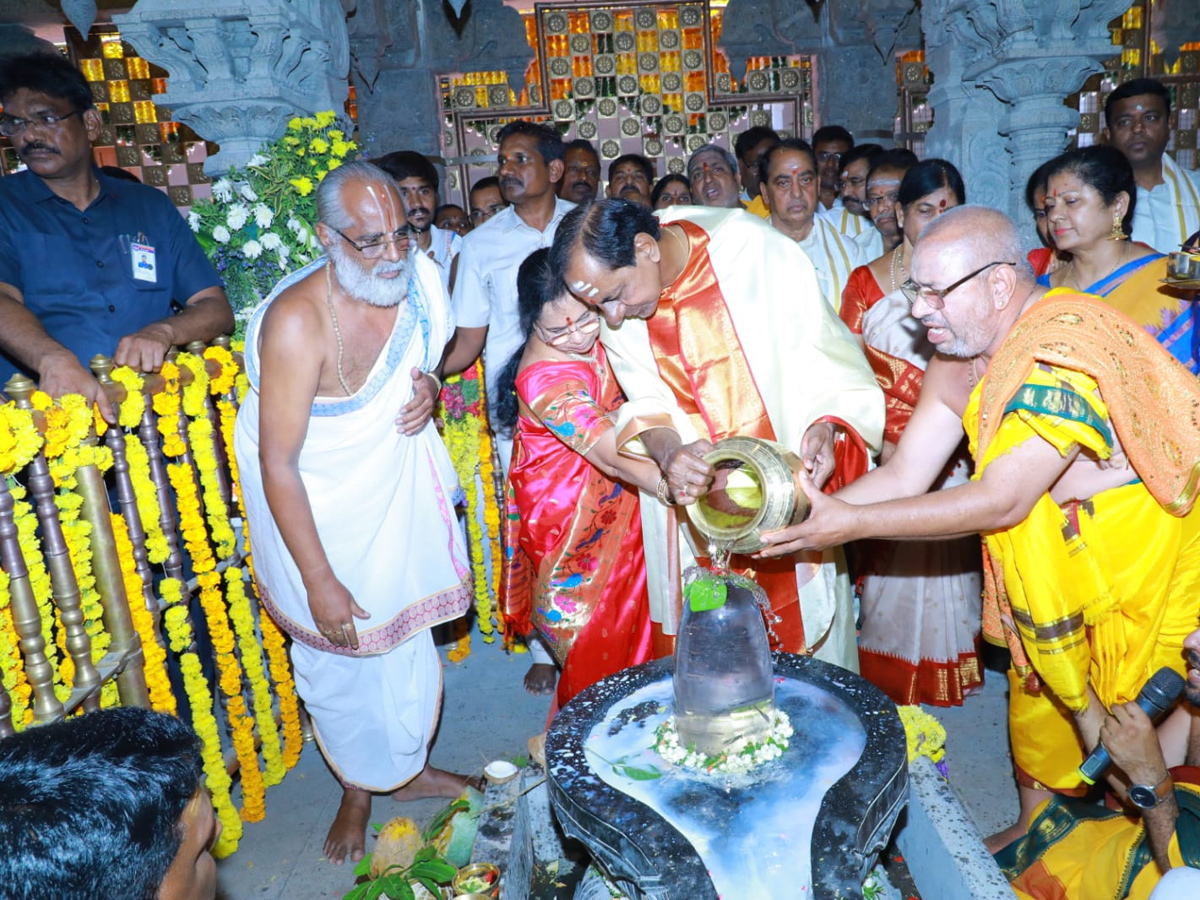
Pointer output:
827, 155
10, 127
852, 181
586, 324
936, 297
374, 249
890, 199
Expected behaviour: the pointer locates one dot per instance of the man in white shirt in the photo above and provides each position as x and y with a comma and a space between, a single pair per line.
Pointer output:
485, 289
1137, 122
417, 179
787, 176
848, 214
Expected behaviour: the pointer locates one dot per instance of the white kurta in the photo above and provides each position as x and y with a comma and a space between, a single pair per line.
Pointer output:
806, 365
834, 256
860, 229
383, 503
1169, 214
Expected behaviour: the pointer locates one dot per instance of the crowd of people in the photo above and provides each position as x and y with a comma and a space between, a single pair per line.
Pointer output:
939, 379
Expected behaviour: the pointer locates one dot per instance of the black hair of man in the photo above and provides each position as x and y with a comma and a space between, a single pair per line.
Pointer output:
896, 158
1135, 88
549, 141
488, 181
605, 230
45, 73
861, 151
1037, 181
582, 144
642, 162
799, 145
401, 164
827, 133
751, 138
90, 807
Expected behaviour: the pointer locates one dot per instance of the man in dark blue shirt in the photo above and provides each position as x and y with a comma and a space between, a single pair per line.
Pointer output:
88, 264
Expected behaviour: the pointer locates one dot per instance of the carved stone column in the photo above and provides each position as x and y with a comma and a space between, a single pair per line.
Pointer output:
399, 49
239, 69
1002, 69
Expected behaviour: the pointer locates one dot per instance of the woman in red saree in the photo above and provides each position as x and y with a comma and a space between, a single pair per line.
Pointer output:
574, 568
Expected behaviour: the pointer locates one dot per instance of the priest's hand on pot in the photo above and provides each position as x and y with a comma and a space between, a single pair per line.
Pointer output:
688, 475
816, 451
830, 523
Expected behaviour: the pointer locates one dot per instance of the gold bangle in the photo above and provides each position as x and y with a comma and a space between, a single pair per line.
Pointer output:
438, 389
664, 492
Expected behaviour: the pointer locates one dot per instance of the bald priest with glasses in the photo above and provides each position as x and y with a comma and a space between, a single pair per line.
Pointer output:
1086, 438
88, 264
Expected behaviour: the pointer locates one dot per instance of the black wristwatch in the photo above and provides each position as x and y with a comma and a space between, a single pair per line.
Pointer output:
1145, 796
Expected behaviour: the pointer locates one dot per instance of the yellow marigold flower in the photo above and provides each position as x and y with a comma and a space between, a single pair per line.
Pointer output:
333, 164
41, 400
318, 145
303, 185
291, 141
295, 123
340, 147
326, 118
308, 122
335, 135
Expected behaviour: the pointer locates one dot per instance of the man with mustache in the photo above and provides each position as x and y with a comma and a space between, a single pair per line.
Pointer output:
787, 175
417, 179
357, 552
581, 172
1137, 121
850, 216
630, 177
713, 172
1084, 488
1079, 850
88, 263
883, 188
530, 161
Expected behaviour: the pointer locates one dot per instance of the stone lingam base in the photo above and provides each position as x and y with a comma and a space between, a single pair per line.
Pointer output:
808, 824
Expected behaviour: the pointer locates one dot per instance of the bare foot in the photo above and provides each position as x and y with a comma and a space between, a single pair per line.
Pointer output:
1001, 839
348, 833
540, 679
436, 783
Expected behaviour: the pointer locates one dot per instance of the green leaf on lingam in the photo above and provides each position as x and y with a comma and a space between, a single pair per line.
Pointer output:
647, 774
705, 594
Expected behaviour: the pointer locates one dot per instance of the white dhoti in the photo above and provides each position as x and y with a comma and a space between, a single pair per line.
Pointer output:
383, 504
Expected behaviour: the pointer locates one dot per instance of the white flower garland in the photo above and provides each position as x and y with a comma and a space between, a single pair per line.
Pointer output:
743, 754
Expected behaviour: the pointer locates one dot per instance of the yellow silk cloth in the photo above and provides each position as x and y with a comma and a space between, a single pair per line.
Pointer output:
1100, 592
1077, 851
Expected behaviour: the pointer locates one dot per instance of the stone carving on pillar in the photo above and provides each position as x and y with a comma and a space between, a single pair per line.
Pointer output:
240, 69
1002, 69
423, 43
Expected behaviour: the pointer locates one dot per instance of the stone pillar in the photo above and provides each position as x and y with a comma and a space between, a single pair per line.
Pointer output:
399, 48
1002, 69
853, 42
240, 69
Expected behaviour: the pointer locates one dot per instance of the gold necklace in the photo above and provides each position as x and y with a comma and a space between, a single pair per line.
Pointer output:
337, 332
1079, 287
897, 258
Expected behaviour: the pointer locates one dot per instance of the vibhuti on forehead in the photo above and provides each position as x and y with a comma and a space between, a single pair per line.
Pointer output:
580, 287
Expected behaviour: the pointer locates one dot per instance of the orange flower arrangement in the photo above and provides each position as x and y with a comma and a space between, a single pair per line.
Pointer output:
285, 687
154, 657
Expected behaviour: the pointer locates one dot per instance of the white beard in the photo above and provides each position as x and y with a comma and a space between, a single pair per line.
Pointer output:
365, 285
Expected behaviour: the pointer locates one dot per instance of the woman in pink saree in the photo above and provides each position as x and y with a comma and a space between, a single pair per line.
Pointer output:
574, 568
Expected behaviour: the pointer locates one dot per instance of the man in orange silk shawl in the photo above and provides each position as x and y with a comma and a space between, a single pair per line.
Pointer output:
1086, 438
716, 327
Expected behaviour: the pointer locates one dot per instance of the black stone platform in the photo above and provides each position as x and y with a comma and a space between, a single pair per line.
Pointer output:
653, 859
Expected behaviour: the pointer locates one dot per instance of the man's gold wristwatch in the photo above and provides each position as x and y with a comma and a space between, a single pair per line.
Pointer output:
1145, 796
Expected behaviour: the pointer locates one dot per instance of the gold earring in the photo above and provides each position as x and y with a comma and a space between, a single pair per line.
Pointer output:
1118, 231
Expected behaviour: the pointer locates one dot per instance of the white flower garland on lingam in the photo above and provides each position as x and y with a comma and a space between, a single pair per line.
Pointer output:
743, 754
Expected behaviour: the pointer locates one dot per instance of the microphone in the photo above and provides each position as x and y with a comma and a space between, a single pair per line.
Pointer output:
1155, 698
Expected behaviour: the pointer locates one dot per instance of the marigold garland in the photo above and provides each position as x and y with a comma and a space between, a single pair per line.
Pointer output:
204, 723
130, 413
191, 520
166, 404
242, 616
195, 393
20, 440
12, 672
162, 699
200, 434
285, 687
223, 383
146, 495
468, 441
39, 580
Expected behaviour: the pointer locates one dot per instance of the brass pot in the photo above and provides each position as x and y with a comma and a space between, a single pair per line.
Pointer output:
756, 489
467, 881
